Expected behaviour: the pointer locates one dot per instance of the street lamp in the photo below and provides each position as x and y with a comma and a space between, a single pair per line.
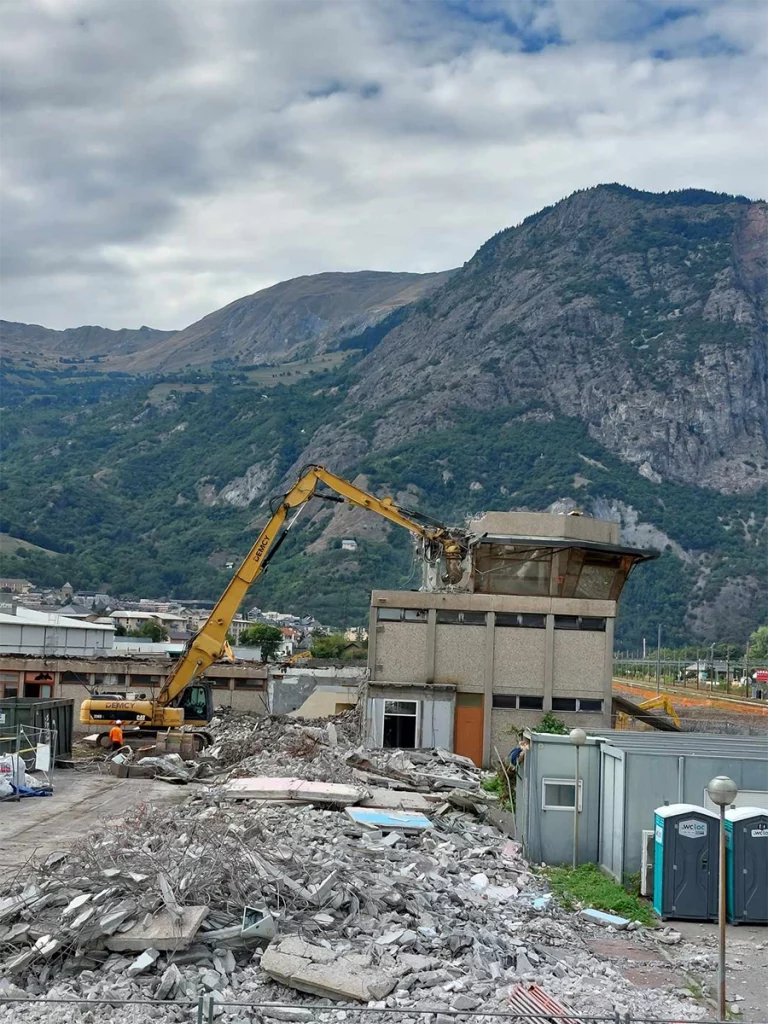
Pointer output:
722, 791
578, 738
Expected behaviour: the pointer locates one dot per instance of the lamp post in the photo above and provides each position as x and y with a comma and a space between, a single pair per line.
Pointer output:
722, 791
578, 738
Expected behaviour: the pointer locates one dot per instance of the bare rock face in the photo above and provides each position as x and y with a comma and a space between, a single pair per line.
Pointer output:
641, 314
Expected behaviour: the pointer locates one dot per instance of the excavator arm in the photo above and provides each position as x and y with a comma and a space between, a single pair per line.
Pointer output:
209, 644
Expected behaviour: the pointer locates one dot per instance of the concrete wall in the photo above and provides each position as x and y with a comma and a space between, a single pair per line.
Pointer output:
519, 660
546, 525
460, 656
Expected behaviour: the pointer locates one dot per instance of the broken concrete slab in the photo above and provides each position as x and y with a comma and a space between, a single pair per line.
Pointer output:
322, 972
289, 790
396, 800
343, 980
164, 931
143, 962
169, 982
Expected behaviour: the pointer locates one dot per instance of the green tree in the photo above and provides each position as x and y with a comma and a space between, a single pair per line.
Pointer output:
331, 646
758, 644
268, 638
150, 630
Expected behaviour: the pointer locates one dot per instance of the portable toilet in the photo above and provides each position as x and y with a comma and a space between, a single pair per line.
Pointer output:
685, 863
746, 864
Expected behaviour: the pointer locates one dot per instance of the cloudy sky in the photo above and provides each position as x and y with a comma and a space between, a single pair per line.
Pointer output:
163, 157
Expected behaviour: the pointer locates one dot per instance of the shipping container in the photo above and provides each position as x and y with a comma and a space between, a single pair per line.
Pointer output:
58, 715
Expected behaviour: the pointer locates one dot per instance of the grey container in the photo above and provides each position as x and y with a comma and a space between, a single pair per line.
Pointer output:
40, 714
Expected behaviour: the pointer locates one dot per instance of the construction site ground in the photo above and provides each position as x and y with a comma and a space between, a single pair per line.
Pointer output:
80, 803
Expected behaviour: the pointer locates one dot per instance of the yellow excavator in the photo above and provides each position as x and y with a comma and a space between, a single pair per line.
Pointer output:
624, 718
185, 697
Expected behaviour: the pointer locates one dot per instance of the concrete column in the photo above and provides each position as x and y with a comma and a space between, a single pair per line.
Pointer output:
608, 690
490, 635
549, 661
372, 623
431, 641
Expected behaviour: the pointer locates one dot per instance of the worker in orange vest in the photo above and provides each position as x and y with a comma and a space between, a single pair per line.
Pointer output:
116, 735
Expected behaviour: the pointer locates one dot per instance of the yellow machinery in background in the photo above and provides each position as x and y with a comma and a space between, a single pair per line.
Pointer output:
661, 702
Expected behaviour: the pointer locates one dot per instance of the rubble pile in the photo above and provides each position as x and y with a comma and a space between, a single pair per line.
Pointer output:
264, 901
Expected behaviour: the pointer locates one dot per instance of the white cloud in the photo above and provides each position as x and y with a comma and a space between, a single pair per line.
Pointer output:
162, 158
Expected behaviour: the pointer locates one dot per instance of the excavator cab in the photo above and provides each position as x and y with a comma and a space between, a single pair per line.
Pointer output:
197, 703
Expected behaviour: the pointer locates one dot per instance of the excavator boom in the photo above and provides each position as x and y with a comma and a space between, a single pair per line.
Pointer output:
210, 645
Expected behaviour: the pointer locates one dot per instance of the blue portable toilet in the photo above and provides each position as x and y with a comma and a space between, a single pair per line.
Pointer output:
746, 864
686, 856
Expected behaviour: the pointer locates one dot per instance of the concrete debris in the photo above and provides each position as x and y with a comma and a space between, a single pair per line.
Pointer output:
605, 920
293, 902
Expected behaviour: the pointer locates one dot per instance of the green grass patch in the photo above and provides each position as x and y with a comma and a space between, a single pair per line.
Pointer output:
588, 886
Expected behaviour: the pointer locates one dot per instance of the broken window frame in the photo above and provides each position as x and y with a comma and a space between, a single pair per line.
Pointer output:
415, 615
456, 617
522, 620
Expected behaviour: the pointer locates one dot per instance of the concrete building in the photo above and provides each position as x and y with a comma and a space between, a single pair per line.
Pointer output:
529, 629
623, 777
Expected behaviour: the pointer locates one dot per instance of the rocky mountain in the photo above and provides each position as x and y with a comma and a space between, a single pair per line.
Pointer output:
302, 317
608, 353
644, 316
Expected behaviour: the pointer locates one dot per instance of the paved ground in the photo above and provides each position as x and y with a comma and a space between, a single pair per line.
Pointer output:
746, 963
37, 826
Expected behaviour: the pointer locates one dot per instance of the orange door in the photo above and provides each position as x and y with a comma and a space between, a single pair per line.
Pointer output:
468, 726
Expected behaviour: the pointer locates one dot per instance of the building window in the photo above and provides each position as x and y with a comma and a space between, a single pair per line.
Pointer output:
448, 617
400, 723
525, 620
505, 700
9, 684
247, 684
218, 683
582, 622
143, 680
530, 703
590, 705
563, 703
401, 614
558, 794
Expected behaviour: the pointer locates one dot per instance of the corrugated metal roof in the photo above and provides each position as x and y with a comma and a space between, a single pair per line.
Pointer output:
528, 1000
688, 743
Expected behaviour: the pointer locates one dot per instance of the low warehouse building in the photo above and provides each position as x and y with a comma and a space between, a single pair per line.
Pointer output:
623, 777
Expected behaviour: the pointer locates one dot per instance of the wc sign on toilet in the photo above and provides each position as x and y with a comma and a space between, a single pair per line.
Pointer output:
692, 829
